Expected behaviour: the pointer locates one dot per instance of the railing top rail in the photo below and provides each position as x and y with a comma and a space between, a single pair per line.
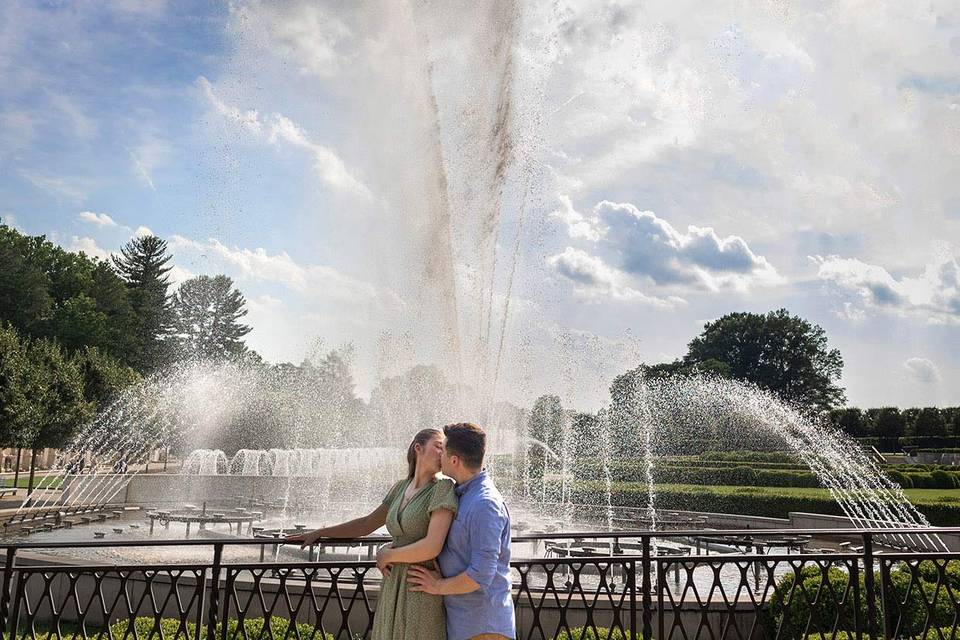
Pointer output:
565, 535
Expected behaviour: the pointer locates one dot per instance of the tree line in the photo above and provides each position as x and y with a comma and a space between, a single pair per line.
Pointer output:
75, 330
892, 423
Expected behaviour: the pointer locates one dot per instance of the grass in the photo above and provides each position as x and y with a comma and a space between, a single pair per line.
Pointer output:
52, 482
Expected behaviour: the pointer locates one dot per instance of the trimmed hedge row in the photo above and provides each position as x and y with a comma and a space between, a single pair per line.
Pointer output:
765, 502
744, 455
693, 474
748, 476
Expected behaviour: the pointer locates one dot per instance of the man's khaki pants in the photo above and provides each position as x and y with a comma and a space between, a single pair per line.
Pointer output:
489, 636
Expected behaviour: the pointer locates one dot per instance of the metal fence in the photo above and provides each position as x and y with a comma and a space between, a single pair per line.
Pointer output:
593, 586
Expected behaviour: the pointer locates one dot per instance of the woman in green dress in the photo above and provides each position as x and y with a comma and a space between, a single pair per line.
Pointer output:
417, 511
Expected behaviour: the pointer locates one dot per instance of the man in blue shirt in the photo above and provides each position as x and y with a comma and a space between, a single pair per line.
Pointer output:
474, 577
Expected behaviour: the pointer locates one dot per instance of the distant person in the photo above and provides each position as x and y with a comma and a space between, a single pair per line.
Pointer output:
474, 576
417, 511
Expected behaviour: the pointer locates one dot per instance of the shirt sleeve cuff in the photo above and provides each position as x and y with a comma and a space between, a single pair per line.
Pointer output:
478, 576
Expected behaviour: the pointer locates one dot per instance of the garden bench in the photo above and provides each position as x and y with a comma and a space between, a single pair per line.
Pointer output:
8, 491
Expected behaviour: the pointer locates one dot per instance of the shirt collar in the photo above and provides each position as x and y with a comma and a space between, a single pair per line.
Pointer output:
478, 479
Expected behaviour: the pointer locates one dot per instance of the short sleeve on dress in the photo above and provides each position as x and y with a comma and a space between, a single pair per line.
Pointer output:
394, 490
443, 497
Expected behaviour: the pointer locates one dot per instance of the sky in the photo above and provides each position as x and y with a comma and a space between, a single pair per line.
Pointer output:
669, 162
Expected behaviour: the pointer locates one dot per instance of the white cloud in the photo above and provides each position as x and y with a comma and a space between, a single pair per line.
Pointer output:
278, 128
88, 246
74, 189
647, 246
304, 33
922, 370
934, 294
100, 219
256, 265
178, 275
10, 220
143, 231
577, 225
591, 278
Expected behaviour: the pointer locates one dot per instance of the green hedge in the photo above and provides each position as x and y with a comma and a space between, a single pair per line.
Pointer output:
751, 456
601, 633
692, 471
145, 627
790, 608
753, 501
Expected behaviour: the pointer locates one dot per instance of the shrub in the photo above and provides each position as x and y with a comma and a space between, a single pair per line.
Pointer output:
944, 480
143, 627
902, 479
601, 633
794, 610
791, 609
750, 456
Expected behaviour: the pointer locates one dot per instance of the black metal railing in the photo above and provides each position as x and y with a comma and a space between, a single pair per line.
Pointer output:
595, 585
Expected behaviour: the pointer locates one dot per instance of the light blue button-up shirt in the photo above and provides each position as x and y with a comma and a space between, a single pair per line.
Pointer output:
479, 543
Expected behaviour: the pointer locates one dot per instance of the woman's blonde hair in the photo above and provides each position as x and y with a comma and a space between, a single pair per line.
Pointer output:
422, 438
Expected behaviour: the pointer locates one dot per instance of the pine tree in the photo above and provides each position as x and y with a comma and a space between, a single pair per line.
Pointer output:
142, 266
206, 318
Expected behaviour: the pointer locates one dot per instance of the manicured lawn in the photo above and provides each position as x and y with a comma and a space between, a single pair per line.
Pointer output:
52, 482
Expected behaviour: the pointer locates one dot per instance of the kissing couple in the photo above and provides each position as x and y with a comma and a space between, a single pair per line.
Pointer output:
447, 570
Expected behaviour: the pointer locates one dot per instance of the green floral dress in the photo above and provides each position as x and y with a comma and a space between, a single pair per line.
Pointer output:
403, 614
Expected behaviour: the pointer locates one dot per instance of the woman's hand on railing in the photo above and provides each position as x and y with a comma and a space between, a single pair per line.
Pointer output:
304, 539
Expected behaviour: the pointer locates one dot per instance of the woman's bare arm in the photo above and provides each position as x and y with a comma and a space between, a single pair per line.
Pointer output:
427, 548
355, 528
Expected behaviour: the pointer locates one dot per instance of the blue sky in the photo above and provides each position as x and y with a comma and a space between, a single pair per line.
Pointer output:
680, 162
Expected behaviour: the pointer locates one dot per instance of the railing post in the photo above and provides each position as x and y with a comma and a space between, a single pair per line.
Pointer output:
870, 587
857, 599
214, 599
886, 606
8, 564
632, 587
646, 591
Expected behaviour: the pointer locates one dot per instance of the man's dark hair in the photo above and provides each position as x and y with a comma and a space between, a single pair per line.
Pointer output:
468, 441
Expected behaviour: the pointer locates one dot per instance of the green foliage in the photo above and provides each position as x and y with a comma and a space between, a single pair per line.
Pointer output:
585, 436
888, 422
18, 412
206, 318
811, 600
777, 351
903, 479
751, 456
909, 597
102, 376
275, 627
929, 422
143, 267
545, 425
597, 633
25, 301
46, 395
46, 291
41, 392
851, 421
62, 406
